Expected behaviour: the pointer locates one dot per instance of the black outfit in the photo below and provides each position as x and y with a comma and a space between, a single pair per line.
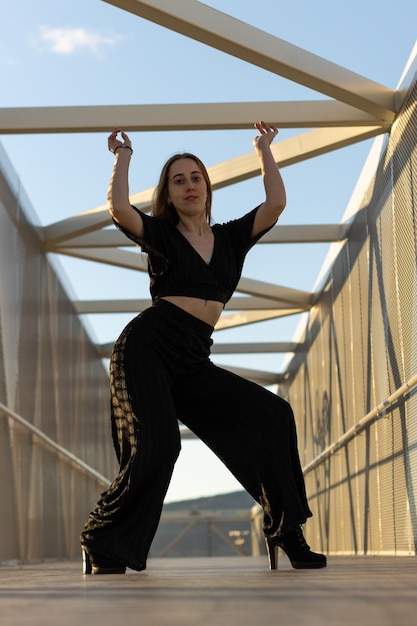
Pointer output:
160, 373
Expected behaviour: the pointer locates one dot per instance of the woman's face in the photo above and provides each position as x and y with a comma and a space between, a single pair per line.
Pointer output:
187, 188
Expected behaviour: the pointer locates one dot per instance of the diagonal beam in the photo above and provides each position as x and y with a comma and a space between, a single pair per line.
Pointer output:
290, 151
243, 318
88, 222
276, 292
75, 225
174, 117
287, 152
108, 256
225, 33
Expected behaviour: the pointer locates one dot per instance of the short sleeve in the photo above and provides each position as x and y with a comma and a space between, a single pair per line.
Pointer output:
151, 244
149, 224
239, 232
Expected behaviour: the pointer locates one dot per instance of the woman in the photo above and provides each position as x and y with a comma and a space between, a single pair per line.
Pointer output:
160, 369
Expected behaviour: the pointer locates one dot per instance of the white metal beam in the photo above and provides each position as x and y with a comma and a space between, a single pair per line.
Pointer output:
298, 233
276, 292
243, 318
228, 348
174, 117
279, 296
290, 151
88, 222
236, 303
306, 233
74, 226
109, 256
88, 307
225, 33
235, 320
252, 348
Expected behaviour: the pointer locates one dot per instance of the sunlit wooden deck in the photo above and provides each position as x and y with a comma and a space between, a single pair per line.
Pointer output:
214, 591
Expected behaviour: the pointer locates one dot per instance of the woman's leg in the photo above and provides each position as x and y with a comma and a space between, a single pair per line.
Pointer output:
253, 432
147, 443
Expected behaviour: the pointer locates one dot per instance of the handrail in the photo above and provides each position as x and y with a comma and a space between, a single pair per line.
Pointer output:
361, 425
325, 454
55, 446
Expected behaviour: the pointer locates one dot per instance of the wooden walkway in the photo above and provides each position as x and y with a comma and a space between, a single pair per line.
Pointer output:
236, 591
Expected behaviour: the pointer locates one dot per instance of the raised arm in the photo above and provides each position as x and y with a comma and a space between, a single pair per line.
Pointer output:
275, 198
118, 191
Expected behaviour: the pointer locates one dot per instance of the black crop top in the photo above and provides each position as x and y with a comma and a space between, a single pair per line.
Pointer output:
176, 269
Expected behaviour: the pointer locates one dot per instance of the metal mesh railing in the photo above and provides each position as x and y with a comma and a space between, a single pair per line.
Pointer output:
361, 346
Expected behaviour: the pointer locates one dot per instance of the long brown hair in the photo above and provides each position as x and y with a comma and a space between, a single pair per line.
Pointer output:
161, 207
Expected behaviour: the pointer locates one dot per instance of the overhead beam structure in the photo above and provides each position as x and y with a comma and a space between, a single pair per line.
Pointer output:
349, 108
166, 117
223, 32
288, 152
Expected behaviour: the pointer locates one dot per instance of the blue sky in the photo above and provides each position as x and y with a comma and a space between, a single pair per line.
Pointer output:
87, 52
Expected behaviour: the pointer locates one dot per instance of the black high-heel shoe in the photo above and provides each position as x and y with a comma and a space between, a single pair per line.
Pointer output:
295, 547
106, 566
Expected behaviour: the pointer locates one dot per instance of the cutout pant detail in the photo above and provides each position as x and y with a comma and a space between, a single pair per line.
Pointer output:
160, 373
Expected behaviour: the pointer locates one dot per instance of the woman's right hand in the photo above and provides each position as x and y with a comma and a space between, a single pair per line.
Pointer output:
114, 143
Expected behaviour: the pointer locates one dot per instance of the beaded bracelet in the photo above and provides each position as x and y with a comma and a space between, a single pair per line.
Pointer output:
128, 147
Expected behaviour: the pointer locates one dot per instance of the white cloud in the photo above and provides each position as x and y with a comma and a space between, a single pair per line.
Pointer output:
71, 40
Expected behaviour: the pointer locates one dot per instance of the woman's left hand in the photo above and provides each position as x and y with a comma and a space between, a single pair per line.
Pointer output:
113, 142
267, 134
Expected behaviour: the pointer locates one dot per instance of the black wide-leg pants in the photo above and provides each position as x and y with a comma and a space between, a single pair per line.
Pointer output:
160, 373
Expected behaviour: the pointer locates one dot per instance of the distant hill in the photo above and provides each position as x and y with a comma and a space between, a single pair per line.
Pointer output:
234, 500
192, 535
